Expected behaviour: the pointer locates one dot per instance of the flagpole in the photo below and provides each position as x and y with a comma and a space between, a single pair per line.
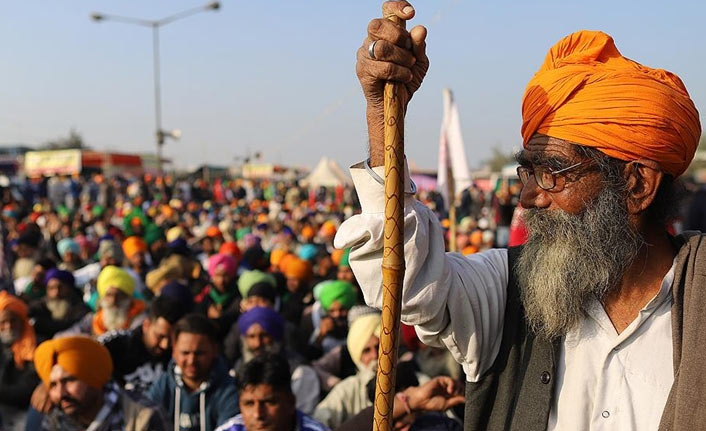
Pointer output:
452, 208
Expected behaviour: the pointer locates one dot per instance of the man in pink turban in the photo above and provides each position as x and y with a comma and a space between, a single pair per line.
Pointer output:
220, 300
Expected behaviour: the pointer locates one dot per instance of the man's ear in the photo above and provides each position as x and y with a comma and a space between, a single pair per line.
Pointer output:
643, 181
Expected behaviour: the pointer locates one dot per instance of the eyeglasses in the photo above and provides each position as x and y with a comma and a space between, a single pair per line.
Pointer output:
546, 178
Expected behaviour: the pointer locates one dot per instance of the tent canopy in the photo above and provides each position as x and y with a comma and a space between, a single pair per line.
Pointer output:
327, 173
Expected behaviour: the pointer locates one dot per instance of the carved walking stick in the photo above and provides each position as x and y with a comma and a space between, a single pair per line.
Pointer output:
393, 254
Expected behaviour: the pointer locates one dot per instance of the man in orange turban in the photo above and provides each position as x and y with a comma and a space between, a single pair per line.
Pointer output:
562, 332
76, 371
135, 251
17, 343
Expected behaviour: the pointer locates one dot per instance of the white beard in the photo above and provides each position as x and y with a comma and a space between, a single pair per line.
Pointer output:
58, 308
115, 317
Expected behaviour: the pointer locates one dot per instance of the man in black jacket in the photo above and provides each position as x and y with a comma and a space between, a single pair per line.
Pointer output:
141, 355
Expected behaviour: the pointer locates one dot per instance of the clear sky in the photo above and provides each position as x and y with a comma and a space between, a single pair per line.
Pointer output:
278, 76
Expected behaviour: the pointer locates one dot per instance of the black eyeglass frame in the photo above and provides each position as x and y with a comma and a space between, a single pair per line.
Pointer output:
545, 178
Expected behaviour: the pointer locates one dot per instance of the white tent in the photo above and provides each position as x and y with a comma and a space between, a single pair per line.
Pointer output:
327, 173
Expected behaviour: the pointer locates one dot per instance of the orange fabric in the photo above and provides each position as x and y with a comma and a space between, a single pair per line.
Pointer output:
98, 326
284, 261
276, 257
82, 357
134, 245
328, 229
586, 92
23, 348
213, 232
231, 248
308, 232
336, 255
298, 268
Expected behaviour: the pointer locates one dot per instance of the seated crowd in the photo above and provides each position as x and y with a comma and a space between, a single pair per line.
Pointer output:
151, 315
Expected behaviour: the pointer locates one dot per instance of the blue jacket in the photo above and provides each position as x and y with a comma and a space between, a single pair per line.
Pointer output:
205, 409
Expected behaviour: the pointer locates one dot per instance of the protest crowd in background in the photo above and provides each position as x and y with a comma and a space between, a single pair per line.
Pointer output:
184, 283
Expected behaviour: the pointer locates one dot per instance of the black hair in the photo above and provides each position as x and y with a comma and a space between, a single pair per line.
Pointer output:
199, 324
167, 308
265, 369
46, 263
263, 289
670, 192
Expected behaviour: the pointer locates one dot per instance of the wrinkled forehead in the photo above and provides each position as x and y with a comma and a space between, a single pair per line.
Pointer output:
548, 151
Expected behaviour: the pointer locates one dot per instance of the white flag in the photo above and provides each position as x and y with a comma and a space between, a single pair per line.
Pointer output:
451, 151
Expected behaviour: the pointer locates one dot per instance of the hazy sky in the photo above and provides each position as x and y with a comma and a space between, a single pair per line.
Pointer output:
278, 76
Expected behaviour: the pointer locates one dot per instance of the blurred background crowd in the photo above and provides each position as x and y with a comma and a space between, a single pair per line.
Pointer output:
126, 260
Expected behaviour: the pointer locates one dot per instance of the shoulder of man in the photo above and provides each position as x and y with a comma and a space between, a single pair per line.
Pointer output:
307, 423
141, 414
115, 338
233, 424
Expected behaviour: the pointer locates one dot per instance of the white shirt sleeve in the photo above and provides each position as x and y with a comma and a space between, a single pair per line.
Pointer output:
453, 300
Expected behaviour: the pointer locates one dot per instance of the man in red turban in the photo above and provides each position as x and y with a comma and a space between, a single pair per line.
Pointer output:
597, 321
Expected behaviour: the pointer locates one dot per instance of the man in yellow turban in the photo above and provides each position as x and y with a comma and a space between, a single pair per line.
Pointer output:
117, 307
350, 395
597, 321
76, 371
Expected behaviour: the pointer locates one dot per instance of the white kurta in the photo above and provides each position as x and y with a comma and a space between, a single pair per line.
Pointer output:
604, 380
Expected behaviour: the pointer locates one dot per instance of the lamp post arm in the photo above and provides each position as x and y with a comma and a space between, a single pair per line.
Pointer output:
180, 15
123, 19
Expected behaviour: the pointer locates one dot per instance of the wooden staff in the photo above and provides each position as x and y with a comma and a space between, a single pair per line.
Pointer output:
393, 254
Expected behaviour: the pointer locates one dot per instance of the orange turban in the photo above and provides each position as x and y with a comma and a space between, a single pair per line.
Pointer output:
134, 245
297, 268
82, 357
23, 347
284, 261
276, 256
588, 93
336, 255
308, 232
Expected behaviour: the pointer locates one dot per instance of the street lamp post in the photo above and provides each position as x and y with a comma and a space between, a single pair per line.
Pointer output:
160, 133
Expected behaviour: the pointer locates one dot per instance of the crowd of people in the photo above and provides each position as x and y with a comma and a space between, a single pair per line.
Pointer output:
149, 303
155, 304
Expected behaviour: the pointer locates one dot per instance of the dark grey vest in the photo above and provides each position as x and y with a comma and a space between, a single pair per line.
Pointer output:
516, 392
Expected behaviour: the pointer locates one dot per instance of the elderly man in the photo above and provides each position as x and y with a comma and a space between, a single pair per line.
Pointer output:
597, 322
76, 371
117, 308
60, 308
17, 375
266, 399
350, 395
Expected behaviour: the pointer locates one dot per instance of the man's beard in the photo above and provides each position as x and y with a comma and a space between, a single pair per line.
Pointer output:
8, 338
115, 316
249, 354
58, 307
568, 260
